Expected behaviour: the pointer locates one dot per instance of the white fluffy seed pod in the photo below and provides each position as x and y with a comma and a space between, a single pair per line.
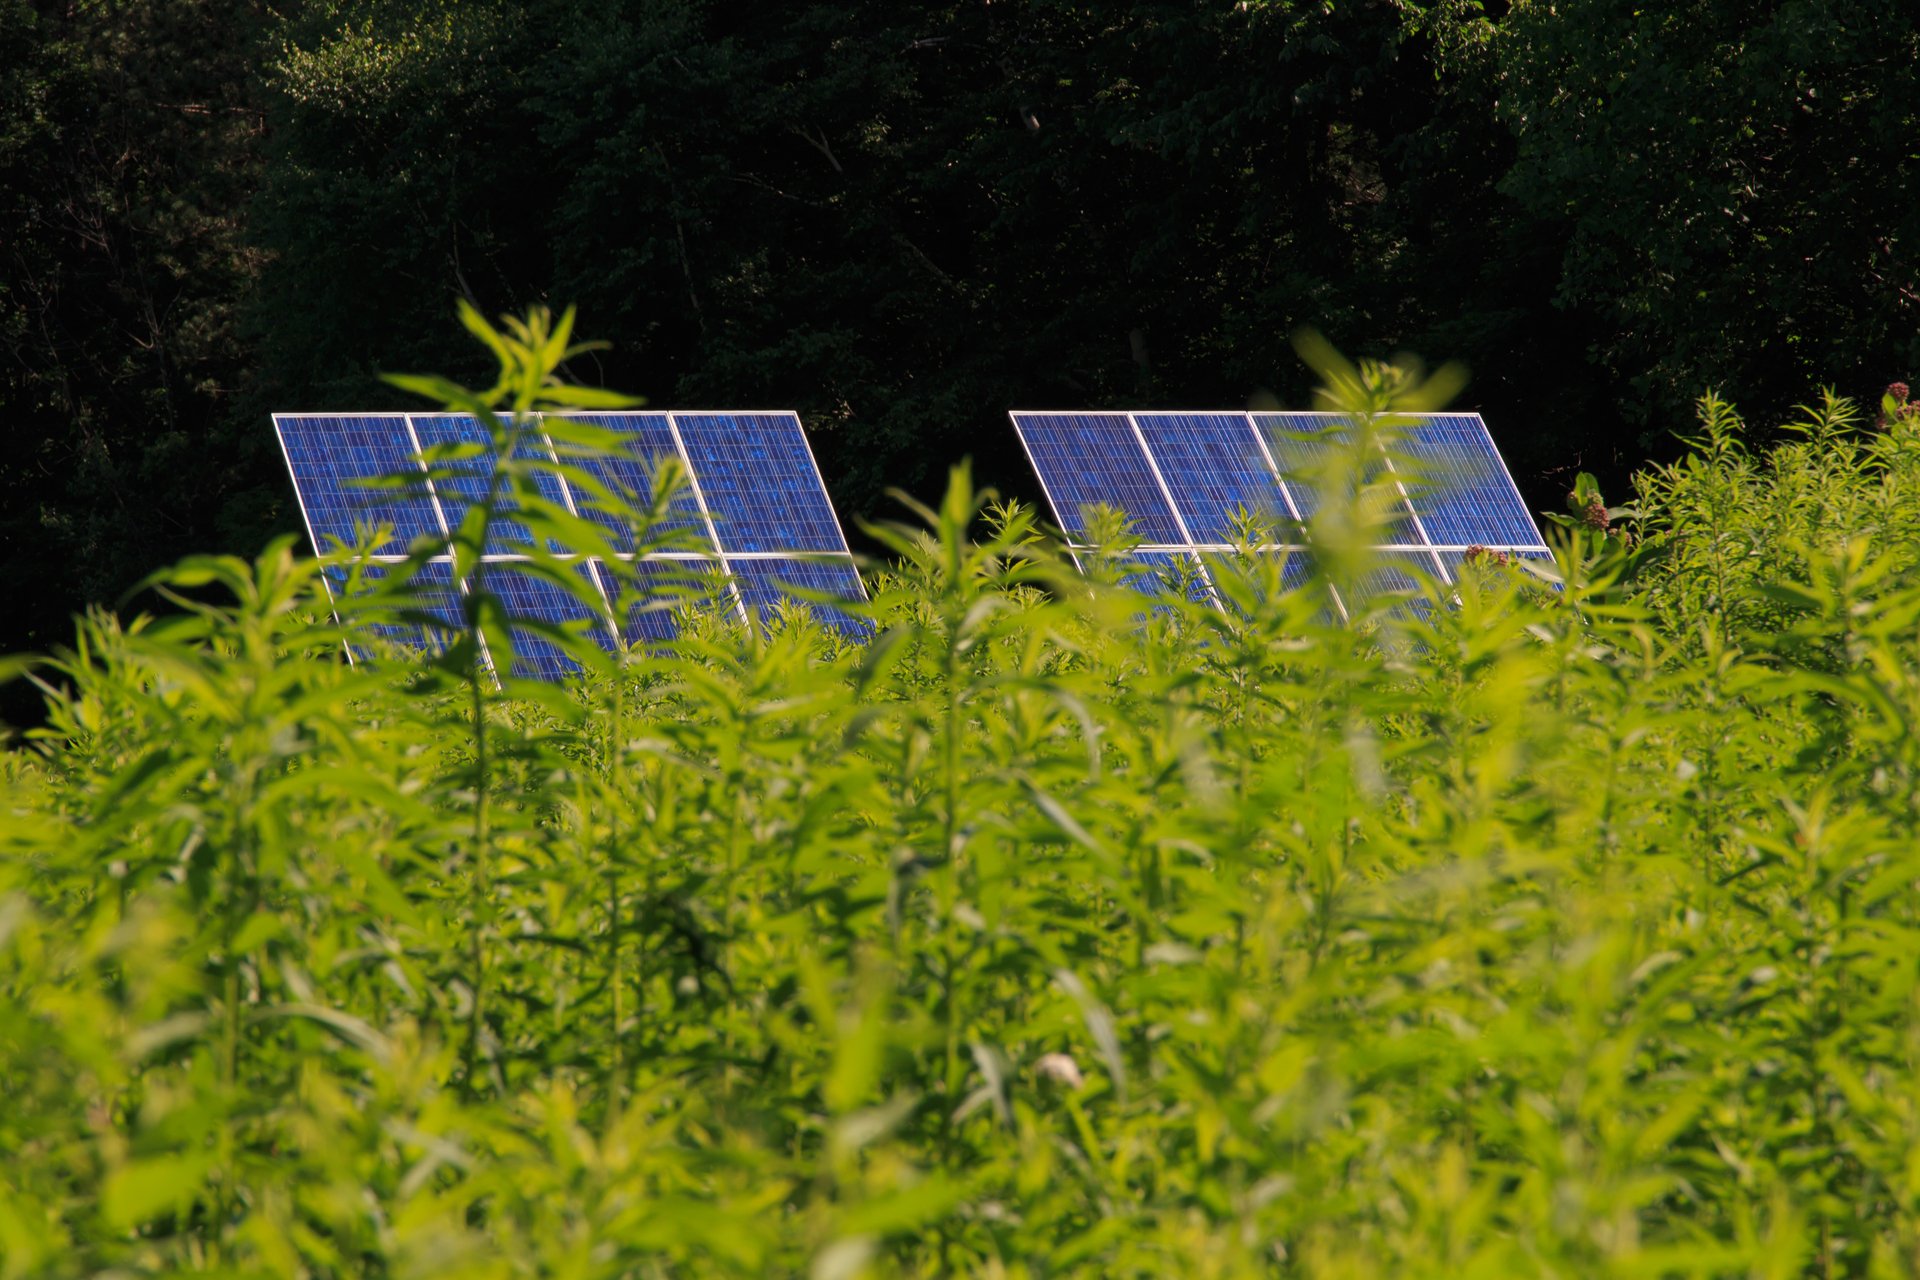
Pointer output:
1060, 1069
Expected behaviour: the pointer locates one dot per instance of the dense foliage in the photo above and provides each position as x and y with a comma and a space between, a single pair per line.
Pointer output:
1530, 930
130, 147
904, 218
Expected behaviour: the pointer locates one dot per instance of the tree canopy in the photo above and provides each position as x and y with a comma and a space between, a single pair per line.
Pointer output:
903, 219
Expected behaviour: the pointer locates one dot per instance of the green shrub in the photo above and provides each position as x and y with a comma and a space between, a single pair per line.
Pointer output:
1568, 929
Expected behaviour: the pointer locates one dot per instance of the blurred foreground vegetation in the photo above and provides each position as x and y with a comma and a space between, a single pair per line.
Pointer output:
1534, 929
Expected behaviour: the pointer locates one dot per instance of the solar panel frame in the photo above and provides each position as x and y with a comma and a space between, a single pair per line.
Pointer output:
503, 549
1414, 536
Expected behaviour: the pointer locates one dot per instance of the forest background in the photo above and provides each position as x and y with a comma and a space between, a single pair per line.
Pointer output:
903, 218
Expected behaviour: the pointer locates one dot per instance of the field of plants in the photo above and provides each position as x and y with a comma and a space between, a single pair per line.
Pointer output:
1536, 928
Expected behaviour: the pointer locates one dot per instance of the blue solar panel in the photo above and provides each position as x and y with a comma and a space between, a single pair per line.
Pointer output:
1303, 444
757, 476
646, 439
425, 616
1390, 578
1094, 458
1463, 494
766, 494
525, 593
1163, 573
649, 595
329, 455
1213, 466
460, 484
1294, 569
762, 584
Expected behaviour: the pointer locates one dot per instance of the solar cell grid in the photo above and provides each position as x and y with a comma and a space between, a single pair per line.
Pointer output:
1463, 493
526, 593
648, 595
403, 618
460, 484
1303, 444
1213, 465
1236, 580
627, 472
758, 480
768, 490
1087, 459
1295, 566
1393, 575
1162, 573
761, 582
330, 456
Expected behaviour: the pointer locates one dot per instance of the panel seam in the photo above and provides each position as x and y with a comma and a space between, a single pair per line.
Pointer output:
1293, 508
1419, 525
592, 564
1180, 522
446, 532
706, 514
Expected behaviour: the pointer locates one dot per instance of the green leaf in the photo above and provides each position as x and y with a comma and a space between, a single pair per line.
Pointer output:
570, 396
142, 1190
447, 394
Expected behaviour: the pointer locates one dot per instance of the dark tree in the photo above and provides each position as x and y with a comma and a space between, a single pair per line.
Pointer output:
129, 146
905, 218
1731, 179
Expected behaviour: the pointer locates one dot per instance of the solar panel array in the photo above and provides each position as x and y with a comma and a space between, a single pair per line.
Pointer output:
1181, 477
753, 521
